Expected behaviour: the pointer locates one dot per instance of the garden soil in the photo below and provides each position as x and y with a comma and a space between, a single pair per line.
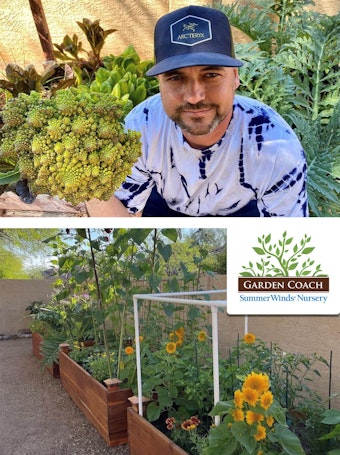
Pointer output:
37, 417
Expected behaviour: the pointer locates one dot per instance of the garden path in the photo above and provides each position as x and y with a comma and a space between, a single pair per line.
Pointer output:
37, 417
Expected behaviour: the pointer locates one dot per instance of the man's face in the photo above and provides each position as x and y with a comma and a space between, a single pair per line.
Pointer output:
199, 98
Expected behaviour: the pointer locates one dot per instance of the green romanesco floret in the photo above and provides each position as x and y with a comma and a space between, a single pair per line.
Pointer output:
72, 145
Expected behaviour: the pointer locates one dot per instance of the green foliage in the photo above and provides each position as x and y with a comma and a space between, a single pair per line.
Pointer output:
331, 417
72, 145
291, 64
124, 76
72, 52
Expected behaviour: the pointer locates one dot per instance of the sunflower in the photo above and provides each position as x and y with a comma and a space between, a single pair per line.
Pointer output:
202, 336
252, 417
261, 433
129, 350
266, 399
257, 381
238, 415
250, 395
270, 421
249, 338
171, 347
180, 332
238, 398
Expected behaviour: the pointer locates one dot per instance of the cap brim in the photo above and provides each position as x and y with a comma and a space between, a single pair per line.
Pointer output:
193, 59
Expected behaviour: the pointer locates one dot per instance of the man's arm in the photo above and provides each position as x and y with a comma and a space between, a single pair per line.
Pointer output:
112, 207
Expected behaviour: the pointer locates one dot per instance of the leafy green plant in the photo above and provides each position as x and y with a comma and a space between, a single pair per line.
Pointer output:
331, 417
253, 422
291, 64
71, 50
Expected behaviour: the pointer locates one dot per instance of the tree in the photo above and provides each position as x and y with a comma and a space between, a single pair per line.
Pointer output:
25, 251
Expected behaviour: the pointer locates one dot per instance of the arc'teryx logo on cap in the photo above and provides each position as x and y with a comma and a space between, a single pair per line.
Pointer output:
190, 30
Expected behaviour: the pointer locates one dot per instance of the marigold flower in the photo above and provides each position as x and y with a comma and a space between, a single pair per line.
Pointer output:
249, 338
257, 381
195, 420
238, 398
188, 425
171, 335
238, 415
202, 336
179, 342
250, 395
170, 423
261, 433
171, 347
270, 421
252, 417
266, 399
129, 350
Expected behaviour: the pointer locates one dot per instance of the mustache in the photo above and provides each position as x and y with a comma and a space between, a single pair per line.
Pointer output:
194, 107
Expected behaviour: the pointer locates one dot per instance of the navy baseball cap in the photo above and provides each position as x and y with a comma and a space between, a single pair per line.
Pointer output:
193, 36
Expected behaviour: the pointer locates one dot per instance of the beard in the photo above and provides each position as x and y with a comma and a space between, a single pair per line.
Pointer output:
196, 126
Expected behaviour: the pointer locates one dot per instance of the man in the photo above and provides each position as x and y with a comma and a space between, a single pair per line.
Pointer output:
207, 151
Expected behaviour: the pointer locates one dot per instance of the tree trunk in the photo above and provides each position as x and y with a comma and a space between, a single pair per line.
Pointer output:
42, 28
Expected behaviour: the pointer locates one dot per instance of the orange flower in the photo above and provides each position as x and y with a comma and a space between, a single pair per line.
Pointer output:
257, 381
250, 395
249, 338
188, 425
202, 336
129, 350
252, 417
238, 398
171, 347
266, 399
270, 421
180, 332
261, 433
238, 415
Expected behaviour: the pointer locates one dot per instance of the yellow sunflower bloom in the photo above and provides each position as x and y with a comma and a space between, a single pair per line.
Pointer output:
266, 400
238, 415
257, 381
261, 433
129, 350
238, 398
202, 336
249, 338
171, 347
253, 417
250, 395
180, 332
270, 421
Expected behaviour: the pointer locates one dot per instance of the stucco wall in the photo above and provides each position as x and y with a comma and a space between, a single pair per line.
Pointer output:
133, 20
15, 296
294, 334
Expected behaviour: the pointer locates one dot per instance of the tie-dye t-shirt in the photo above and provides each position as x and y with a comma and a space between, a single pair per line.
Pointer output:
258, 158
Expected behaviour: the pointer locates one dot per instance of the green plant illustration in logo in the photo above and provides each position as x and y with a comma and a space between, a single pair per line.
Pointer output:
283, 258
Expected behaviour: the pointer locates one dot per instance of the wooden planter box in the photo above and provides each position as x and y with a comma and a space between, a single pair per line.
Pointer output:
36, 343
145, 439
106, 410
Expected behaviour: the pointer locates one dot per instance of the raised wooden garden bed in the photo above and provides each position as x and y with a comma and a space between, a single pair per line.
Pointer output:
106, 410
146, 439
36, 343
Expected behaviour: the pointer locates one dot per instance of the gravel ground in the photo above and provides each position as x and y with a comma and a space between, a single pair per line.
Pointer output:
37, 417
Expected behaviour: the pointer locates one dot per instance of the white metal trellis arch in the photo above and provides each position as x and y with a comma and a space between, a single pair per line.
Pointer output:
178, 297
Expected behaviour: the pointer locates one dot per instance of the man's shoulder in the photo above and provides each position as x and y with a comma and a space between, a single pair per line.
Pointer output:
148, 107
